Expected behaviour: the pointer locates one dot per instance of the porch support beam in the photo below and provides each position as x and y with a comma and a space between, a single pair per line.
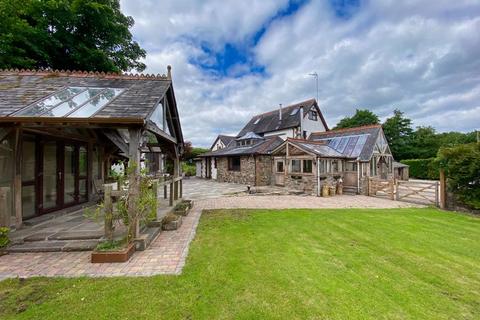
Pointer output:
134, 173
17, 180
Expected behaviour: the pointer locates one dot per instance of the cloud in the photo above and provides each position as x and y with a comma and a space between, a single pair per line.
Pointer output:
418, 56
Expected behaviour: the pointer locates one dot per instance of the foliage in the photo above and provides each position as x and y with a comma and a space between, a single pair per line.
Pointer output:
360, 118
181, 206
367, 264
170, 218
191, 153
398, 131
4, 240
91, 35
189, 169
422, 168
113, 245
462, 168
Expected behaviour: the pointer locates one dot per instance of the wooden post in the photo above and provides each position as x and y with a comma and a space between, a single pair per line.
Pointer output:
155, 194
134, 167
181, 188
397, 192
108, 207
90, 171
17, 182
171, 194
4, 214
443, 189
165, 191
392, 189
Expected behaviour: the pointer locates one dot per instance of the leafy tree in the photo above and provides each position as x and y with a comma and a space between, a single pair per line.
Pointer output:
360, 118
462, 168
425, 143
91, 35
398, 131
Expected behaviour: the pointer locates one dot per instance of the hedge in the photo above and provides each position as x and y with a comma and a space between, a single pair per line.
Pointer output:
423, 168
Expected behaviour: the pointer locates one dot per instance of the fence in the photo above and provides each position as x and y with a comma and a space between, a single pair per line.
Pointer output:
414, 191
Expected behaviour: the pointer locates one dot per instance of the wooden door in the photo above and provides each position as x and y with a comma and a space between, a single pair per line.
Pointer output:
279, 172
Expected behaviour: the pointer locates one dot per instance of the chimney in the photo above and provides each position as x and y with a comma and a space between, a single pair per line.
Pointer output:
169, 72
280, 113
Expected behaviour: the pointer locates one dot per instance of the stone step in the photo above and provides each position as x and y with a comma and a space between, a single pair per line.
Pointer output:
350, 190
54, 246
64, 235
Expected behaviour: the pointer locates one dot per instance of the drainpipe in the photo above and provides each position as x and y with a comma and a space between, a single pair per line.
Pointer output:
318, 177
358, 177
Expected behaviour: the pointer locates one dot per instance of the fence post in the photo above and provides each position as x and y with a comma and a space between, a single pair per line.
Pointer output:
443, 189
4, 214
392, 189
181, 188
171, 193
108, 207
397, 191
155, 194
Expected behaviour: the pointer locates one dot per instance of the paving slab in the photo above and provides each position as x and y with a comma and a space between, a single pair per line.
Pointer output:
76, 235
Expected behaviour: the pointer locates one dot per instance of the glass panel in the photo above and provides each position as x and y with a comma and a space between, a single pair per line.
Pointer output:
50, 175
280, 166
157, 116
50, 102
307, 166
83, 190
6, 170
28, 164
83, 162
28, 202
69, 181
72, 104
95, 163
97, 103
295, 166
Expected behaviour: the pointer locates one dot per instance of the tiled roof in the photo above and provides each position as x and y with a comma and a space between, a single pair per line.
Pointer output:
270, 121
264, 146
20, 89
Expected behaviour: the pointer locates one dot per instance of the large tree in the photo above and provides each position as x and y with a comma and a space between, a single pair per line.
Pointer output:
398, 131
360, 118
91, 35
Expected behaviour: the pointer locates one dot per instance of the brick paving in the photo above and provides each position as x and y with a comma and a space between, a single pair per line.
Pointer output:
168, 252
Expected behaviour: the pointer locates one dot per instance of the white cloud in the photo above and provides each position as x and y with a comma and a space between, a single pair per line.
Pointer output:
418, 56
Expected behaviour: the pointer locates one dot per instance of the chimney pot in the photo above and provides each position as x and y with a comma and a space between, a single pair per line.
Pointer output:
280, 112
169, 72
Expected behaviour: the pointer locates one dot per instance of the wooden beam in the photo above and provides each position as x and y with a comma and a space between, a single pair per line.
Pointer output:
443, 189
162, 134
134, 161
17, 182
4, 214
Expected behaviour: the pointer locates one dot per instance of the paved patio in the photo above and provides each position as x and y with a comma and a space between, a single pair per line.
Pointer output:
199, 189
168, 251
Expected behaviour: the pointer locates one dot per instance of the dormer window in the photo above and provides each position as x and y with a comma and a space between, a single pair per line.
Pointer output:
313, 115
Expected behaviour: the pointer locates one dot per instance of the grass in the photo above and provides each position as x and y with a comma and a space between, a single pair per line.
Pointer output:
289, 264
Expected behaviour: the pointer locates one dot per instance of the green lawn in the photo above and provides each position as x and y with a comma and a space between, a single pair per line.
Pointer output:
289, 264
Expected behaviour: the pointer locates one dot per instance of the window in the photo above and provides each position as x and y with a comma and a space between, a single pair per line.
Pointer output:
304, 134
280, 167
307, 166
335, 166
313, 115
234, 164
215, 163
323, 166
295, 166
350, 166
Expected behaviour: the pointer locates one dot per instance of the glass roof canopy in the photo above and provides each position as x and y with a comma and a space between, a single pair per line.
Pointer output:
74, 102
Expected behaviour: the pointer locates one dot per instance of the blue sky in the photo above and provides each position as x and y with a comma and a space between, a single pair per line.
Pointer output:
234, 59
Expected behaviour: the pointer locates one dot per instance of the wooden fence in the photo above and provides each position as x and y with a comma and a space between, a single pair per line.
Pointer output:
414, 191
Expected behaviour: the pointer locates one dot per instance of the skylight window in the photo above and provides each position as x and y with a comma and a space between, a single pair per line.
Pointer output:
258, 120
294, 112
81, 102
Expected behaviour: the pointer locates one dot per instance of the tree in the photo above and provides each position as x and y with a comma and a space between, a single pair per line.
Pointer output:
360, 118
425, 143
398, 131
91, 35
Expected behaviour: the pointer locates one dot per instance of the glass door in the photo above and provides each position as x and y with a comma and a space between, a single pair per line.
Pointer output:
50, 177
29, 173
69, 174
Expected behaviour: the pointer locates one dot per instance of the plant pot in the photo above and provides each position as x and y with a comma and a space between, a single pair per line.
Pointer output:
182, 212
172, 225
113, 256
339, 189
324, 191
332, 191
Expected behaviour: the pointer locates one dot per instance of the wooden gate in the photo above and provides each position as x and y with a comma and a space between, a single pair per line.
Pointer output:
418, 191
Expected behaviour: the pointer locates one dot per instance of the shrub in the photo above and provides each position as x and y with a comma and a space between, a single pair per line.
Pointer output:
423, 168
188, 169
4, 240
462, 169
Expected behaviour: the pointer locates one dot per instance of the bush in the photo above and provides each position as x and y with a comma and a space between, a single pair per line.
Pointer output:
189, 169
423, 168
4, 240
462, 169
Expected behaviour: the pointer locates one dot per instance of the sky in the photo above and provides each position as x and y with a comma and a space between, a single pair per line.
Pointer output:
234, 59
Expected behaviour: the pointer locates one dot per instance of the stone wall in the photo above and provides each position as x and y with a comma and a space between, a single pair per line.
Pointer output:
306, 183
246, 175
264, 171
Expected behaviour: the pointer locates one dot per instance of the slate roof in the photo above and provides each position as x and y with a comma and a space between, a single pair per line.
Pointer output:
355, 143
225, 139
270, 121
400, 165
22, 88
263, 147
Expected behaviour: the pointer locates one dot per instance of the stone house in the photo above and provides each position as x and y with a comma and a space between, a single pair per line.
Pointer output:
348, 156
298, 120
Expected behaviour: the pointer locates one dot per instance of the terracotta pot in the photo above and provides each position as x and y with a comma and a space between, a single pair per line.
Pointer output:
113, 256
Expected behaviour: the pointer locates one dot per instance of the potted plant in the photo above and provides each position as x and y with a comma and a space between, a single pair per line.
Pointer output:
182, 209
171, 222
113, 251
4, 240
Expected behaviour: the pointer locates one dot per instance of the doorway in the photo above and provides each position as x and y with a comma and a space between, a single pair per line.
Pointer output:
54, 175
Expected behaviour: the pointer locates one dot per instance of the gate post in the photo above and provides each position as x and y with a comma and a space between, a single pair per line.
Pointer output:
443, 190
392, 189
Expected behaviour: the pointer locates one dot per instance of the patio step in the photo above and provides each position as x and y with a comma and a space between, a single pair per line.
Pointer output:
54, 246
349, 190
